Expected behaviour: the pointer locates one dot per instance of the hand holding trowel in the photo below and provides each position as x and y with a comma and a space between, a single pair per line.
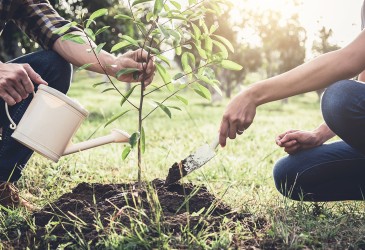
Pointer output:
194, 161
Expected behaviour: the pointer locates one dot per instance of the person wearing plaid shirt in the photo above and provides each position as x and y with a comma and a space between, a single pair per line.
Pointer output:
51, 66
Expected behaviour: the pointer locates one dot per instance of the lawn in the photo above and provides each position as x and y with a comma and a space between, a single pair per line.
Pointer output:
240, 174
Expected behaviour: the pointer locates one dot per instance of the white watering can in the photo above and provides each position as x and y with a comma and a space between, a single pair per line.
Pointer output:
51, 120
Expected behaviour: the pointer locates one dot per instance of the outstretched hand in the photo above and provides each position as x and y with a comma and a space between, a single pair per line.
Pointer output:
16, 82
238, 116
294, 141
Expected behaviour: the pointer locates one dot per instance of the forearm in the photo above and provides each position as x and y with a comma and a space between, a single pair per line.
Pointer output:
316, 74
80, 54
323, 133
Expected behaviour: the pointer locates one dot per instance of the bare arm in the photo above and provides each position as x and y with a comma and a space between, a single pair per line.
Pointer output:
316, 74
79, 54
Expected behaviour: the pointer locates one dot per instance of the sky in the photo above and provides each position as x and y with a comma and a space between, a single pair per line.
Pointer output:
342, 16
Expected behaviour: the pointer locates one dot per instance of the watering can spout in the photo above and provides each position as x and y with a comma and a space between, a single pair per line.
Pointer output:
116, 135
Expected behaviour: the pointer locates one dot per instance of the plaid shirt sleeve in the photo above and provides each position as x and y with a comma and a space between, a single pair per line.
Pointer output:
38, 20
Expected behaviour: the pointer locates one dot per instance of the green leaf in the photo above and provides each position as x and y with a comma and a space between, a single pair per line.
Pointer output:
178, 50
227, 64
74, 38
213, 28
85, 66
96, 14
120, 45
197, 32
143, 140
126, 71
175, 107
101, 30
182, 99
153, 50
163, 73
157, 7
115, 117
126, 152
122, 16
202, 91
99, 83
205, 79
208, 44
199, 212
129, 39
204, 25
178, 76
164, 59
108, 89
222, 48
99, 48
90, 34
134, 139
188, 62
178, 17
176, 35
176, 4
140, 1
64, 28
149, 16
127, 95
164, 31
226, 42
185, 62
217, 89
164, 108
201, 52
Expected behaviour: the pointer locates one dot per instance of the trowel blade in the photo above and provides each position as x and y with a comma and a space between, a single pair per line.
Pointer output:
197, 159
194, 161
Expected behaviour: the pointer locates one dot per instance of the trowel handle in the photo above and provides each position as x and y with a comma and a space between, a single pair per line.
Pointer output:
215, 143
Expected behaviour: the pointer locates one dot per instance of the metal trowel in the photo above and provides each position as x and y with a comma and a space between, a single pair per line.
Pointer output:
194, 161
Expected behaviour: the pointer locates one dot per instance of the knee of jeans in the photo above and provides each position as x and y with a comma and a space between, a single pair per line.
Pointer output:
285, 176
337, 102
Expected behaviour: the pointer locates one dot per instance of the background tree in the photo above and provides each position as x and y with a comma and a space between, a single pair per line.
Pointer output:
14, 43
283, 41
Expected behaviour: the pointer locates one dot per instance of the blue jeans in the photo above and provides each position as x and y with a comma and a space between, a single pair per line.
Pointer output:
54, 70
333, 171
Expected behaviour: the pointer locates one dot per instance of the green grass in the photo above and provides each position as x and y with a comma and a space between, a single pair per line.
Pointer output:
241, 173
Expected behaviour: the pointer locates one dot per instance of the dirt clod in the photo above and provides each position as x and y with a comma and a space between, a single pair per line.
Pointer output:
176, 172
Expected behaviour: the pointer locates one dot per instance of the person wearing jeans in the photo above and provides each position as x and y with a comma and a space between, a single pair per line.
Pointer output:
315, 170
20, 77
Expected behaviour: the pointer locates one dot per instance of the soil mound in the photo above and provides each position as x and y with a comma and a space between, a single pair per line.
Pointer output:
90, 210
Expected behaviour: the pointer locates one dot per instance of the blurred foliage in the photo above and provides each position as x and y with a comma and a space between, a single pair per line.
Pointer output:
14, 43
280, 39
323, 44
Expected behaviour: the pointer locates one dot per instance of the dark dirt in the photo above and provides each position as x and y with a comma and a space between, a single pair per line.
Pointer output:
176, 172
92, 210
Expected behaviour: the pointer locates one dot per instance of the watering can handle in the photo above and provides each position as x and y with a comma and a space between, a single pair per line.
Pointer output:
12, 123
